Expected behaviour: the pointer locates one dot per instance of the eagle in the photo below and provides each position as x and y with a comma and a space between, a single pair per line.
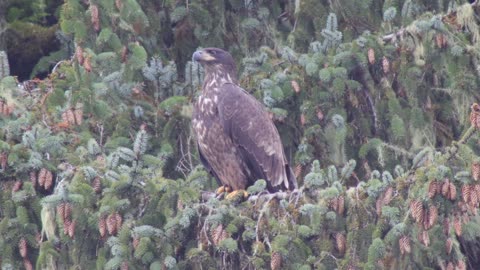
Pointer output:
237, 141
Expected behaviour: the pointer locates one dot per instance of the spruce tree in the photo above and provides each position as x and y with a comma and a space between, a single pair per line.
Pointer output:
375, 102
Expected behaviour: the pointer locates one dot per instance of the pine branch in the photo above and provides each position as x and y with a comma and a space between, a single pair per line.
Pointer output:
397, 149
455, 145
392, 37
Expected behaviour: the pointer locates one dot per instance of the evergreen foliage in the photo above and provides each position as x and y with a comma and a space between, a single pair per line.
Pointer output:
99, 167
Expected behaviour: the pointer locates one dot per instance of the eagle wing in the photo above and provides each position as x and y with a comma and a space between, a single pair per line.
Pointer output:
207, 165
246, 122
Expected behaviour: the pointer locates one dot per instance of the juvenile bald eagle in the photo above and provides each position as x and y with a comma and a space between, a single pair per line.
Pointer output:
237, 141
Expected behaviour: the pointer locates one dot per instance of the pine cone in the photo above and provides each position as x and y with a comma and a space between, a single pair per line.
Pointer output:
124, 54
466, 192
180, 205
334, 203
404, 244
124, 265
135, 242
341, 242
320, 114
298, 170
441, 41
476, 188
61, 210
341, 205
22, 247
432, 189
303, 120
276, 261
425, 220
119, 4
27, 264
3, 160
33, 178
71, 229
70, 116
216, 234
378, 206
385, 65
449, 245
424, 238
95, 18
295, 86
79, 55
416, 210
223, 236
450, 266
66, 226
452, 192
474, 195
97, 185
111, 224
8, 110
457, 225
87, 64
475, 115
371, 56
38, 238
68, 211
102, 226
42, 176
17, 186
461, 265
432, 216
388, 195
445, 187
78, 115
476, 170
118, 221
48, 180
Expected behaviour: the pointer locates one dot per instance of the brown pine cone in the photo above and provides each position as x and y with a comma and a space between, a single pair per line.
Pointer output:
276, 261
371, 56
22, 247
340, 242
102, 226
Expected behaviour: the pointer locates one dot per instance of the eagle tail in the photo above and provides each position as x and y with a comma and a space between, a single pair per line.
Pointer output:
291, 180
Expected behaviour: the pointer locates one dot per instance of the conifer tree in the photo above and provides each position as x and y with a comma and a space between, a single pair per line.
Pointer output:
373, 101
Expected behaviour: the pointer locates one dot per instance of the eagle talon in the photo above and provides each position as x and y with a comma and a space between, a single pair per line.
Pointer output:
223, 189
236, 195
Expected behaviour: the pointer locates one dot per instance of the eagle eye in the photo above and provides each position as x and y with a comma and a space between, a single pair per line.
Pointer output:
212, 52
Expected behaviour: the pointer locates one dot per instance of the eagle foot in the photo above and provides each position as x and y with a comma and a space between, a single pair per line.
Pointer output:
237, 195
223, 189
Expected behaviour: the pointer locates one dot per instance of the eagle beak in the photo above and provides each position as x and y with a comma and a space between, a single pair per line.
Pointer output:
200, 56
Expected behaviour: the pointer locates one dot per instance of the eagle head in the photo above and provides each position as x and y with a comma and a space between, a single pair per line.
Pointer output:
215, 59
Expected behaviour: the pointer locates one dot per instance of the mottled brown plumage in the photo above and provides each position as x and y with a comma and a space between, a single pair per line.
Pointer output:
237, 141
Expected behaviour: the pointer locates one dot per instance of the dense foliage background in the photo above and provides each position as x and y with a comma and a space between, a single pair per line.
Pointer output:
99, 167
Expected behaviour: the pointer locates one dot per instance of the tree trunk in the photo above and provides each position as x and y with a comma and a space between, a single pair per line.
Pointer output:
3, 24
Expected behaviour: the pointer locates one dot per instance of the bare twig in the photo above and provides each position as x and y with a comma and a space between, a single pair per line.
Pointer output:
57, 65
